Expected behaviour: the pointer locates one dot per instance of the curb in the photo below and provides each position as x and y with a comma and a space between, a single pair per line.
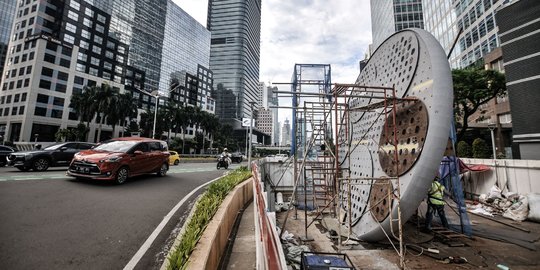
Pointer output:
213, 242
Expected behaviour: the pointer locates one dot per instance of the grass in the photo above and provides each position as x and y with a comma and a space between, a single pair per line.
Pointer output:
204, 211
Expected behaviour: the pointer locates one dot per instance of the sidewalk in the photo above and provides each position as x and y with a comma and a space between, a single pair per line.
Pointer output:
243, 255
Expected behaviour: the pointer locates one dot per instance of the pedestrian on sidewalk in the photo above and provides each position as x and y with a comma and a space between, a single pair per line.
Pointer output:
435, 204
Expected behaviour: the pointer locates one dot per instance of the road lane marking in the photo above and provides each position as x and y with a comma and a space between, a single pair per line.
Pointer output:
63, 176
146, 245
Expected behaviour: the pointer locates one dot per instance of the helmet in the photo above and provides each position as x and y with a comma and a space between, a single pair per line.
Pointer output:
225, 149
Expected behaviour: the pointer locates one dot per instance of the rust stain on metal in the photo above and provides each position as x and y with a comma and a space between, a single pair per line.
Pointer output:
411, 126
379, 201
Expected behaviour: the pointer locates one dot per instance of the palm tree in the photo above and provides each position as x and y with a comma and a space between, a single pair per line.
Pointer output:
84, 104
188, 113
104, 100
125, 107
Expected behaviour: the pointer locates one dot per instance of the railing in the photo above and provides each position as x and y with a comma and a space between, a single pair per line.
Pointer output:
269, 251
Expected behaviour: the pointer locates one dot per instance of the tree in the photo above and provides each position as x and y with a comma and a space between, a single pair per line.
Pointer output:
480, 149
84, 104
124, 107
473, 87
105, 99
464, 149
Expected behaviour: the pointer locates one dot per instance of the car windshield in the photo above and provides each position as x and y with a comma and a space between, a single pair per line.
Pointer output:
116, 146
54, 146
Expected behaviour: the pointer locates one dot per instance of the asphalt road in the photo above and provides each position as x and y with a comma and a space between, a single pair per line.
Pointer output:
49, 221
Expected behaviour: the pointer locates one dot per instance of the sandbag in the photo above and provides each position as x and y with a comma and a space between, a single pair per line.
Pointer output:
534, 207
519, 210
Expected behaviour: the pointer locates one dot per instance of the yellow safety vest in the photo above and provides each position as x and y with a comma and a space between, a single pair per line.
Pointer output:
436, 193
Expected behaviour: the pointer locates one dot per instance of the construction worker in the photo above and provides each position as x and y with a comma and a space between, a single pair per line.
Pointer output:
435, 203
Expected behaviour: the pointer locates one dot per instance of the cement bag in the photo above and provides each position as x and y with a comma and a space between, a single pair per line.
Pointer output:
519, 210
495, 193
534, 207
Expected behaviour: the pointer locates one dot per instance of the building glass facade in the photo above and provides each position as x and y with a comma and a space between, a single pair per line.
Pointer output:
444, 18
7, 13
390, 16
234, 55
58, 47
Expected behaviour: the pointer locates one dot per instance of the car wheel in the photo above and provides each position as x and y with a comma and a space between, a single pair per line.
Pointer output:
163, 170
176, 162
122, 175
23, 169
41, 164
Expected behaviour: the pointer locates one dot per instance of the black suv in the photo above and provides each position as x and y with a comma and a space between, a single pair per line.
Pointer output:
59, 154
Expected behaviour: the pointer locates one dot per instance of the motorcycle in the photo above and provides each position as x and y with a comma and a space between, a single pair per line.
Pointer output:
222, 162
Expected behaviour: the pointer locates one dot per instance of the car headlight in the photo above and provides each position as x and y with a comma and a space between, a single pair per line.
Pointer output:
111, 159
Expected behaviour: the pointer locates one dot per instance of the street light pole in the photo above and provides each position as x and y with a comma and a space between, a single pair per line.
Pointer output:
155, 116
250, 133
491, 129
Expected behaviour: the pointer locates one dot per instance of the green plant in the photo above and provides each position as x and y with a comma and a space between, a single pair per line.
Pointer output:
205, 209
464, 149
480, 149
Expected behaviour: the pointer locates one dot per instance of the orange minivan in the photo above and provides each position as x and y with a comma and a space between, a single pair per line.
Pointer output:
121, 158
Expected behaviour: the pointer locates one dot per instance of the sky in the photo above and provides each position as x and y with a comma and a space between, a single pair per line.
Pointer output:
335, 32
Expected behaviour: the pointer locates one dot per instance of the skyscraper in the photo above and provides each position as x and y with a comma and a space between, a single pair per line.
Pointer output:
7, 13
390, 16
58, 47
235, 26
476, 18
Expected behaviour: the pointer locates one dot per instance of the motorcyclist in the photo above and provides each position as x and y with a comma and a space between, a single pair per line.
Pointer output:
226, 155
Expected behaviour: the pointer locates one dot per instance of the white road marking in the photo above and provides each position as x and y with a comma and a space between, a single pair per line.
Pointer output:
146, 245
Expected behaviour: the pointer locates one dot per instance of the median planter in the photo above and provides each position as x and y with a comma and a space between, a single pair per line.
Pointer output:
206, 232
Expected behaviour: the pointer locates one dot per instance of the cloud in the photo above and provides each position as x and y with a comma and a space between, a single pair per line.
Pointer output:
335, 32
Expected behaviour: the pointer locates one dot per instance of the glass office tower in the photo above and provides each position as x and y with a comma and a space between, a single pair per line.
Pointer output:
59, 47
390, 16
7, 13
234, 55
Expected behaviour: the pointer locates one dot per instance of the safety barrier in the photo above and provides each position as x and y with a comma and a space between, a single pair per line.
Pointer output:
269, 251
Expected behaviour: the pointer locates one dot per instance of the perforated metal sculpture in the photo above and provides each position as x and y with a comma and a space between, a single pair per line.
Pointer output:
414, 63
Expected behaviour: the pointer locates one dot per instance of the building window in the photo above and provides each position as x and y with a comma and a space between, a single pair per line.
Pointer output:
49, 58
75, 5
58, 101
69, 38
85, 34
89, 12
42, 99
96, 49
23, 97
78, 80
80, 67
93, 71
39, 111
100, 28
64, 62
47, 71
71, 28
72, 15
101, 18
83, 44
21, 110
45, 84
26, 82
94, 61
60, 88
63, 76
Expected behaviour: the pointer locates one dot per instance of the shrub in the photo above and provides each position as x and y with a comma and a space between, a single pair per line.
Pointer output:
464, 149
480, 149
204, 211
